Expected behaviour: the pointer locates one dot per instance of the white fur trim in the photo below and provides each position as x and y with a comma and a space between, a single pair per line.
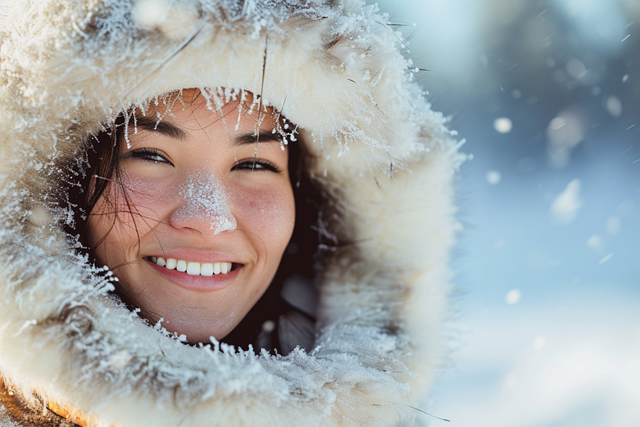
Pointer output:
176, 21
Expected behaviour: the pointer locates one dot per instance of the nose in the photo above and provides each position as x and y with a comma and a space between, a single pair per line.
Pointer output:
203, 206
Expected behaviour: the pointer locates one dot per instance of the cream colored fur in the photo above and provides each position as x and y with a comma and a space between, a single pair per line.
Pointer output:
333, 68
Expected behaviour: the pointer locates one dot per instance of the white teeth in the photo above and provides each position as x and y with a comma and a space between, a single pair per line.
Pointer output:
193, 268
206, 269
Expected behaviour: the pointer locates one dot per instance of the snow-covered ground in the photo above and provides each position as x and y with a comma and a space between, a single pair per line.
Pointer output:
567, 364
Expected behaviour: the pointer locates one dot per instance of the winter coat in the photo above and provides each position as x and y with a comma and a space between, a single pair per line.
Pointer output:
382, 159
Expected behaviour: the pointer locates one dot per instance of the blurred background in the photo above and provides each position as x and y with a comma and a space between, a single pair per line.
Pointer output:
546, 322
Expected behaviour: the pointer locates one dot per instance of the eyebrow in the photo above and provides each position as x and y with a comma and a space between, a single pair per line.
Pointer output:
162, 127
250, 138
173, 131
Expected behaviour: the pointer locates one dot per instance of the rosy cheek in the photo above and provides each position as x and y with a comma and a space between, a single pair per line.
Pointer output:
146, 197
269, 213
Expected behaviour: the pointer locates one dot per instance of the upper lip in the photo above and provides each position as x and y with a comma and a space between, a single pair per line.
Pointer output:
199, 256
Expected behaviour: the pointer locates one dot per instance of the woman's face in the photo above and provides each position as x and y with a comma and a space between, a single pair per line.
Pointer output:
198, 199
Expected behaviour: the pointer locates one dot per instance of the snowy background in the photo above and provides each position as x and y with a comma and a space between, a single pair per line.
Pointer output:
547, 95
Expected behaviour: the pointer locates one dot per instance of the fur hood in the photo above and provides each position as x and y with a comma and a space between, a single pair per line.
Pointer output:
382, 157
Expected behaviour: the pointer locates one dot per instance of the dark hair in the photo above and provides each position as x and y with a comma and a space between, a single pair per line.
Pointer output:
101, 168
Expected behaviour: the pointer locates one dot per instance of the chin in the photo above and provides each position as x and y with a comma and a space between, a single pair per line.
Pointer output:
196, 325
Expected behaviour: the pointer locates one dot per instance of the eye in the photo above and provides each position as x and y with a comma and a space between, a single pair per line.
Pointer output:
256, 165
148, 155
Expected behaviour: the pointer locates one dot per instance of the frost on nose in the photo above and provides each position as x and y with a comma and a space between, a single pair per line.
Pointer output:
205, 206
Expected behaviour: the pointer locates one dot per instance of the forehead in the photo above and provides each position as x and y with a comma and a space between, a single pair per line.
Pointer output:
233, 111
196, 115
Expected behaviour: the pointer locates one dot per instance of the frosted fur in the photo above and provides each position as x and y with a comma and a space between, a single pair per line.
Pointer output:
383, 158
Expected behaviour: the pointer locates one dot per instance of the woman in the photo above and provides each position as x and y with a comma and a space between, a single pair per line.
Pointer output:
194, 214
72, 352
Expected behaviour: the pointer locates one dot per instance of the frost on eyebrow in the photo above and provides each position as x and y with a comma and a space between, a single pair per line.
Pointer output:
204, 197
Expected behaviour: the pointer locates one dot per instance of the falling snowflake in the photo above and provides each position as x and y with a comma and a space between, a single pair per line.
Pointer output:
613, 106
503, 125
605, 259
493, 177
567, 204
513, 296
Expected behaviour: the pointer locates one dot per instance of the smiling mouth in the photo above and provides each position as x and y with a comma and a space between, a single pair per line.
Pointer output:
195, 268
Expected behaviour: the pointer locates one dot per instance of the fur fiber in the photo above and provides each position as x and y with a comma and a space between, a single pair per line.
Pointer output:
382, 156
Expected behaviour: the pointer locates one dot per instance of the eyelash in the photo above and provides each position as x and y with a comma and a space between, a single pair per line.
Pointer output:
156, 156
256, 165
149, 155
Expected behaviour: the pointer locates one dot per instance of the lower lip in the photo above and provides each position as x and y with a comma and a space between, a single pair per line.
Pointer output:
197, 283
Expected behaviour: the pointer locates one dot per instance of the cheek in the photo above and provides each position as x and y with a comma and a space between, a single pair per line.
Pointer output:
110, 232
122, 215
147, 199
268, 214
